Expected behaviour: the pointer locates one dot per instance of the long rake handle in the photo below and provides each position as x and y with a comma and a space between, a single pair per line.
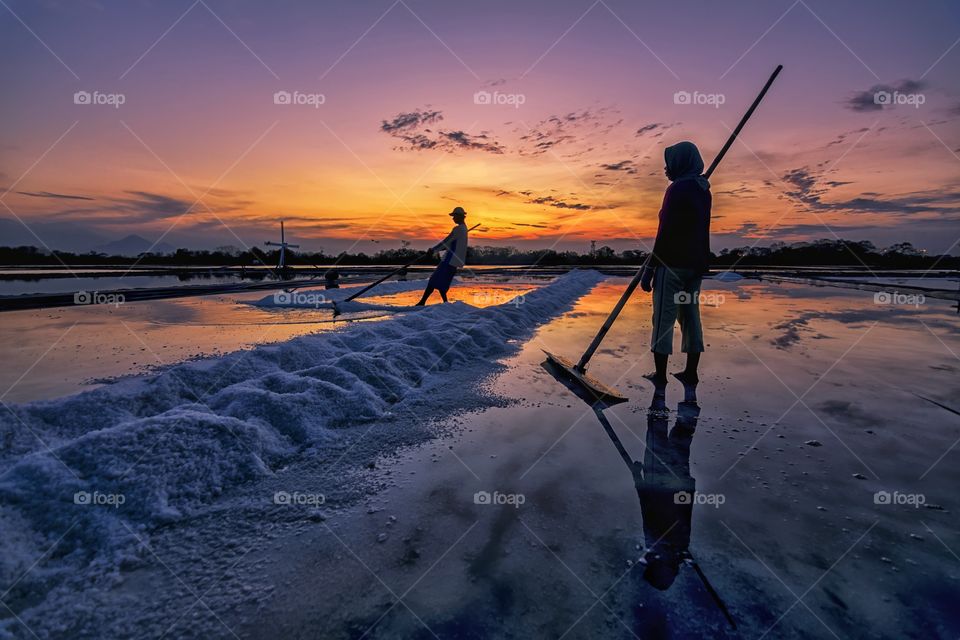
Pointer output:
392, 273
615, 439
713, 593
585, 358
376, 282
743, 121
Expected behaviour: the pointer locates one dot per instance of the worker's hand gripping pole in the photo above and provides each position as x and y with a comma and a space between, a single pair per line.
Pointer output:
582, 365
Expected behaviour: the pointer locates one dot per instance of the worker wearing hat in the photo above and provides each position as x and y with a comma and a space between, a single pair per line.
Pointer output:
455, 257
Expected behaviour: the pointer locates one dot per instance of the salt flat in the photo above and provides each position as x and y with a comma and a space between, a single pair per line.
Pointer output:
809, 418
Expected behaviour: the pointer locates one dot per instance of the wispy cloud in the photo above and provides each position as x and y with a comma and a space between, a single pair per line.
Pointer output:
624, 165
410, 120
842, 137
742, 191
573, 127
809, 189
535, 226
655, 129
565, 202
55, 196
866, 101
410, 128
550, 201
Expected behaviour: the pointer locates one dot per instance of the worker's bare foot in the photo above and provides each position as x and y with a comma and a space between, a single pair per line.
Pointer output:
687, 379
658, 381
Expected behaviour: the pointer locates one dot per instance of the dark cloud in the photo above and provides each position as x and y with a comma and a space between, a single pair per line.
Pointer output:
418, 141
409, 121
573, 127
50, 194
747, 228
550, 201
865, 101
410, 128
535, 226
152, 206
655, 129
450, 140
743, 191
129, 207
582, 134
841, 138
809, 189
805, 186
623, 165
647, 128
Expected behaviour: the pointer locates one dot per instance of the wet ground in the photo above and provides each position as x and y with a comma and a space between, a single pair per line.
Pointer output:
50, 353
823, 493
818, 475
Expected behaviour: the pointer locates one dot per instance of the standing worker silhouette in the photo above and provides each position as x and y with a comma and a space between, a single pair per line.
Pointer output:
456, 245
680, 257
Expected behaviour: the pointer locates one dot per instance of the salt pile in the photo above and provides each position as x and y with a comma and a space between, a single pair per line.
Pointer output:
171, 443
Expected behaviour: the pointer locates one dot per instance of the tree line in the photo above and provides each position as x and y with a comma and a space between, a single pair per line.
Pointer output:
821, 252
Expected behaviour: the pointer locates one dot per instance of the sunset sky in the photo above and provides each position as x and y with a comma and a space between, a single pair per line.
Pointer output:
570, 149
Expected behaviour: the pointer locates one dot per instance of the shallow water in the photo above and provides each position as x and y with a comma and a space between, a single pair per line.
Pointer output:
808, 411
78, 281
798, 540
54, 352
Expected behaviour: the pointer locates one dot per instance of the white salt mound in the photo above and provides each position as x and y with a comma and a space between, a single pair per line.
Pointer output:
170, 443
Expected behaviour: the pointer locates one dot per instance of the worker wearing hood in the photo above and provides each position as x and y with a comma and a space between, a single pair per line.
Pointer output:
680, 257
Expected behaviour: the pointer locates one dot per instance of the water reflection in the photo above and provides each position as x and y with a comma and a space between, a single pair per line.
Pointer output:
665, 487
666, 491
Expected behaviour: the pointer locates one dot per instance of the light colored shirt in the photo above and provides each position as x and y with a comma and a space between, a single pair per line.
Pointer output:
456, 245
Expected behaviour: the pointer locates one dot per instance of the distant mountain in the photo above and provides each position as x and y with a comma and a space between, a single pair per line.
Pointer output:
77, 238
133, 245
62, 236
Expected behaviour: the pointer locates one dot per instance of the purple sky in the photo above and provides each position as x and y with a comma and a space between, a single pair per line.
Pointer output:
583, 100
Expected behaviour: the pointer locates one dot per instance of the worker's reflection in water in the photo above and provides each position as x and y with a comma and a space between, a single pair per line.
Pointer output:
666, 492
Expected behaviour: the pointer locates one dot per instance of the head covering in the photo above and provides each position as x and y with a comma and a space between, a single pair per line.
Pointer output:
458, 211
683, 162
